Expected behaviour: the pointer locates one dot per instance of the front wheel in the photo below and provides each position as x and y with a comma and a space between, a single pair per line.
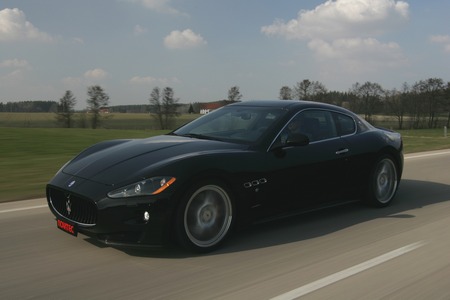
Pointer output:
204, 217
382, 182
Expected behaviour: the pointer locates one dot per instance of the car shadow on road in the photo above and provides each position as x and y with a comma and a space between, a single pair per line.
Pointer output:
412, 194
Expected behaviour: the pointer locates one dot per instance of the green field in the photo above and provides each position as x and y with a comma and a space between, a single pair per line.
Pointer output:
125, 121
30, 156
424, 140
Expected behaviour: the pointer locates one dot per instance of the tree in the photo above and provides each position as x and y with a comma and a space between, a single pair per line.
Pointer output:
335, 97
309, 90
156, 106
170, 106
164, 106
234, 94
397, 103
416, 107
97, 99
66, 110
447, 102
285, 93
29, 106
368, 97
432, 91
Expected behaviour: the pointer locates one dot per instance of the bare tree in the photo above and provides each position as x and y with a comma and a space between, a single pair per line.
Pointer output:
309, 90
285, 93
164, 106
97, 100
432, 91
397, 103
416, 107
447, 102
156, 106
368, 97
234, 94
66, 109
170, 105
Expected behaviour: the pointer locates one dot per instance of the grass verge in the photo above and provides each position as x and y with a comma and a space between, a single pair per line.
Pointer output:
29, 157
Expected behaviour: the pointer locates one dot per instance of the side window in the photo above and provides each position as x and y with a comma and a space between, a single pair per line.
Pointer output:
345, 124
315, 124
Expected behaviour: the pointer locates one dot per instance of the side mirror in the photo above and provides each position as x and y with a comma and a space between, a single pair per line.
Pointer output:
297, 139
294, 140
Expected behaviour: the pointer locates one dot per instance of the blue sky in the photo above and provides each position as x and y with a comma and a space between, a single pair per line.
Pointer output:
201, 48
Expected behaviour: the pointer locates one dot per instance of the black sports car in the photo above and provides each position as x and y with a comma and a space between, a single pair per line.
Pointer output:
243, 163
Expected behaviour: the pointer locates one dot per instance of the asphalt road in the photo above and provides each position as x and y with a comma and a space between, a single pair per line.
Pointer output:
350, 252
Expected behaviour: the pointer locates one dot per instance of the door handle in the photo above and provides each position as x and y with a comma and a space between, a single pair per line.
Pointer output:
342, 151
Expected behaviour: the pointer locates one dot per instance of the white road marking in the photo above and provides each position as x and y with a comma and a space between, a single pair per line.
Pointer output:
427, 154
318, 284
22, 208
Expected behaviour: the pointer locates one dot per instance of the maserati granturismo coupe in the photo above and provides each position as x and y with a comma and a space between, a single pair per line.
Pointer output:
244, 163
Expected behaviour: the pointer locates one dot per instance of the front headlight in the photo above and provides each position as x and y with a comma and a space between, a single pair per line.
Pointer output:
146, 187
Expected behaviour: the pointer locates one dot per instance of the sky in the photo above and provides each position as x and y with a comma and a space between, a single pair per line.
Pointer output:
202, 48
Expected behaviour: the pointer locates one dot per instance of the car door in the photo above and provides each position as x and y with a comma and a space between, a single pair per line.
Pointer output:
310, 175
362, 151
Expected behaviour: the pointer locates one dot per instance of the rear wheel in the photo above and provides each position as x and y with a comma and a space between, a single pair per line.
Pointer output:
204, 217
383, 182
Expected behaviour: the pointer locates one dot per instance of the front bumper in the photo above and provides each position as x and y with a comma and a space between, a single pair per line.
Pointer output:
113, 221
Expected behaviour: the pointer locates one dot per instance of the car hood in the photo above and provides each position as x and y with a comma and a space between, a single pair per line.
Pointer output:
126, 160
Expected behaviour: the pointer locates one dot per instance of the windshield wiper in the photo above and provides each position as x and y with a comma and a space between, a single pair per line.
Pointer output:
199, 136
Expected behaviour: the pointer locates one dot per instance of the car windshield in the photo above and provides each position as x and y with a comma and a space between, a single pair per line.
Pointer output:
243, 124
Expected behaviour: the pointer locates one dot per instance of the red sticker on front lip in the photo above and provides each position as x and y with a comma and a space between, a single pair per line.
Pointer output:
69, 228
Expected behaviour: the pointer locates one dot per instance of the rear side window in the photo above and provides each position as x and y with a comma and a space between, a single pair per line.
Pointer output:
317, 125
345, 124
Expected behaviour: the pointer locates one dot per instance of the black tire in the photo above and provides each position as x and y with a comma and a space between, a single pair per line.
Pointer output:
204, 217
383, 182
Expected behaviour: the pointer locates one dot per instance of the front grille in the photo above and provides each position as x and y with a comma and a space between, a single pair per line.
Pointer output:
72, 207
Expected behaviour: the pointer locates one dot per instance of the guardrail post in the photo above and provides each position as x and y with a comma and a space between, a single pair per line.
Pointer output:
445, 131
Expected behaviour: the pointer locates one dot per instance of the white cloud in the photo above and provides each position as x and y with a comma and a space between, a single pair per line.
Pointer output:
14, 63
358, 55
343, 32
15, 70
15, 27
160, 6
148, 80
183, 39
87, 78
72, 82
139, 30
13, 77
95, 74
78, 41
342, 19
443, 40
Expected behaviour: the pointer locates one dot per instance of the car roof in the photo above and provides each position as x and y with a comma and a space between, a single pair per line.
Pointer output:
290, 104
